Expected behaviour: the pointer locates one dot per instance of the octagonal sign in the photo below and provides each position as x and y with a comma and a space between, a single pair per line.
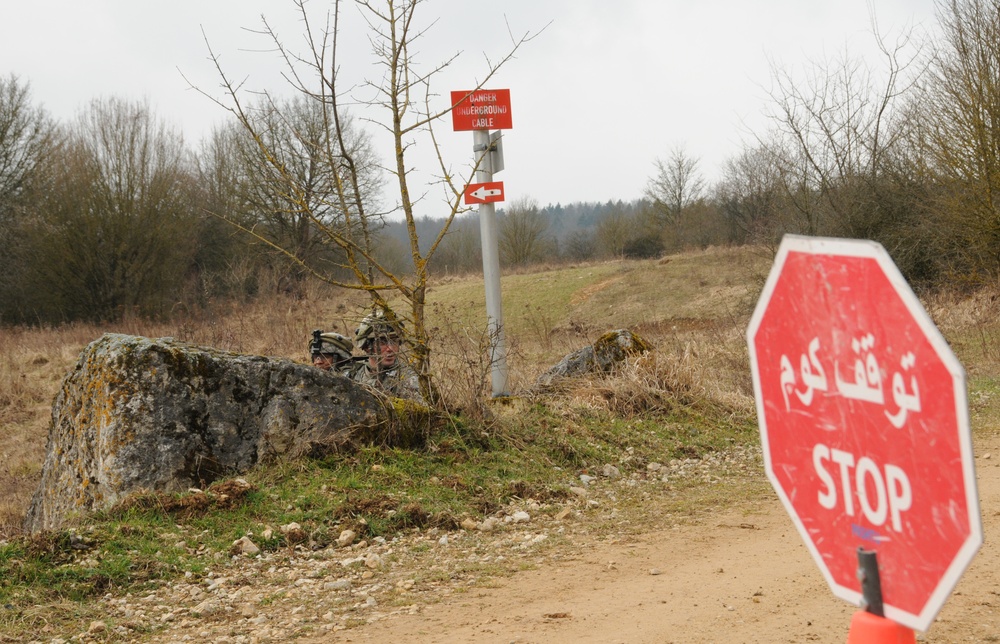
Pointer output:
864, 423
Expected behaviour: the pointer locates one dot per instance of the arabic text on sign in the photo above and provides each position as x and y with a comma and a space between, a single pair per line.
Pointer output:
864, 381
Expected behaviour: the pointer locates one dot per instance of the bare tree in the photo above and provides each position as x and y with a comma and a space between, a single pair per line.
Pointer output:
112, 230
398, 100
834, 133
847, 149
675, 186
960, 114
25, 134
750, 194
580, 244
522, 232
27, 138
296, 146
613, 232
462, 250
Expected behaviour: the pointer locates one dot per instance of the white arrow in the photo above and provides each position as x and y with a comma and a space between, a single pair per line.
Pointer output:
483, 192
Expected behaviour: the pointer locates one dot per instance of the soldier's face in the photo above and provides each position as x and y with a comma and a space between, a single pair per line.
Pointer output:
323, 361
386, 352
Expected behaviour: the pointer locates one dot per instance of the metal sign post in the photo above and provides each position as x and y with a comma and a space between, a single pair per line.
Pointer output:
491, 269
480, 111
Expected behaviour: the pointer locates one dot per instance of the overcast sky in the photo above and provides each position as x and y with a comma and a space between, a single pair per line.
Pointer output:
606, 87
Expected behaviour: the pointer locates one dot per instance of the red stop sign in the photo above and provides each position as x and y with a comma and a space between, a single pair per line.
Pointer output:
864, 423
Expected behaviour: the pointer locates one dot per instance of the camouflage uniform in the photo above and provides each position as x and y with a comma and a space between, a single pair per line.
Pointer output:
399, 380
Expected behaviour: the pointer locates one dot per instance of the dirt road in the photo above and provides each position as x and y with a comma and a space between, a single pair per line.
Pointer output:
742, 576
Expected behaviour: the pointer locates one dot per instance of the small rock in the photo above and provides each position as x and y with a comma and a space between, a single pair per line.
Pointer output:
611, 472
373, 561
654, 467
565, 513
97, 627
579, 491
340, 584
267, 534
207, 607
244, 546
216, 584
468, 524
371, 602
987, 456
443, 541
488, 524
346, 538
521, 517
587, 480
655, 571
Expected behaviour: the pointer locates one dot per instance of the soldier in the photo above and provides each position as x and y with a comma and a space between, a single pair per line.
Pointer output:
331, 351
385, 368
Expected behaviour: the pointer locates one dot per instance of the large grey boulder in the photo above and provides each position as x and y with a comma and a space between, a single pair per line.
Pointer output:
609, 351
138, 414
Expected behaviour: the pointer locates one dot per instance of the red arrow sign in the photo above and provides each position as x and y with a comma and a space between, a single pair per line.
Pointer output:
484, 109
484, 192
864, 424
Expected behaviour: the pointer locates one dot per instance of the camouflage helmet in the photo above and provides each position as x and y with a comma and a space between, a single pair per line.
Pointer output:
374, 325
330, 343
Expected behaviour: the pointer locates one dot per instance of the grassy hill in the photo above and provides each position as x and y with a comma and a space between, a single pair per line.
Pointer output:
688, 401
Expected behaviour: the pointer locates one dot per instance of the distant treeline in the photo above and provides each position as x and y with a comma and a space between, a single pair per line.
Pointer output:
529, 234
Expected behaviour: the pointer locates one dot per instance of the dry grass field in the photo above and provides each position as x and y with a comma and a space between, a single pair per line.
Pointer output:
691, 397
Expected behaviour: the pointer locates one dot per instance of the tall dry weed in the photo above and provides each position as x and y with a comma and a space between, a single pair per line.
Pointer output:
463, 362
968, 320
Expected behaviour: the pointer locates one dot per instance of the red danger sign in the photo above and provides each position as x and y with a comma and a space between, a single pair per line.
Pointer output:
864, 424
483, 109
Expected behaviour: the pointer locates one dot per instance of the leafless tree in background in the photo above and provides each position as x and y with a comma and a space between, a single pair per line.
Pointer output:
960, 115
523, 233
676, 185
112, 230
840, 145
27, 138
